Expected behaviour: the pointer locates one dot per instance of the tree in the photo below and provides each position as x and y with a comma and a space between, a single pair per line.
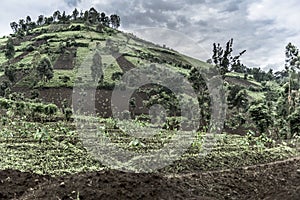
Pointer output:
10, 49
36, 59
10, 72
261, 116
201, 89
237, 97
294, 119
106, 21
292, 62
115, 21
64, 18
40, 20
56, 15
22, 25
102, 17
96, 68
93, 15
14, 26
48, 20
45, 69
28, 20
86, 16
223, 58
75, 14
4, 87
81, 14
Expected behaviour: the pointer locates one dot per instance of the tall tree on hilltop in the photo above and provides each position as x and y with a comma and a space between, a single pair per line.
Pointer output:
56, 15
102, 17
75, 14
28, 20
22, 25
223, 58
106, 21
86, 16
81, 14
93, 15
40, 20
115, 21
14, 26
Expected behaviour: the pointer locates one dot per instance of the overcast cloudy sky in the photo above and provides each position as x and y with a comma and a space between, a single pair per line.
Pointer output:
262, 27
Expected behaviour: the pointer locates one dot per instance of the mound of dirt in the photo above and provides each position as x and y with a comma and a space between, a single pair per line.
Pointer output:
279, 180
14, 184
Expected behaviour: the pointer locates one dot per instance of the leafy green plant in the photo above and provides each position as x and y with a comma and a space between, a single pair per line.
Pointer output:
42, 135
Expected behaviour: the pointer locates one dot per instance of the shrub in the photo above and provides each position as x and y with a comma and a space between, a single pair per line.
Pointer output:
68, 114
64, 79
75, 28
50, 109
30, 48
116, 76
4, 104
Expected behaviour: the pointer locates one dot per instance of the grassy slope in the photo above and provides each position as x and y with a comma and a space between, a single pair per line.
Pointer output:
57, 156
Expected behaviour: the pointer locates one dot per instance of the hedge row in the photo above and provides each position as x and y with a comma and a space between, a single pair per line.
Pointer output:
48, 109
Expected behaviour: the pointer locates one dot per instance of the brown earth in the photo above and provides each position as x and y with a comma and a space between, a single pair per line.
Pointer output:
124, 64
66, 60
279, 180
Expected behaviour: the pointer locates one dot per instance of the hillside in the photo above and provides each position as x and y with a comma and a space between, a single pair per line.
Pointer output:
61, 137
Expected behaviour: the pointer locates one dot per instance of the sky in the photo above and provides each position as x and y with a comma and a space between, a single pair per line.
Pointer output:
262, 27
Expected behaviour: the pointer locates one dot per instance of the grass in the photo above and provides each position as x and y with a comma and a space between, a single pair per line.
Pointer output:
52, 156
56, 149
27, 60
256, 95
57, 82
241, 76
112, 67
82, 53
23, 45
3, 41
2, 58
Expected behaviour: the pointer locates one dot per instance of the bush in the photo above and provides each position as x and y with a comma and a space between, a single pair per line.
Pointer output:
30, 48
50, 109
117, 76
64, 79
75, 28
81, 44
172, 124
4, 104
68, 114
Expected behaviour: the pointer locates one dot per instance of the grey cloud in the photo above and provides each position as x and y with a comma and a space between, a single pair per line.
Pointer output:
72, 3
205, 21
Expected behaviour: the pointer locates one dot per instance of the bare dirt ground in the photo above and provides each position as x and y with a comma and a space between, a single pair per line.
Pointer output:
278, 180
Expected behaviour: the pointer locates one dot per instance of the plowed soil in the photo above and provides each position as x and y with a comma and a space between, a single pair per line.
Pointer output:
279, 180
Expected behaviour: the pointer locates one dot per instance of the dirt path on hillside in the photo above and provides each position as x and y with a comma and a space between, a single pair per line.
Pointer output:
124, 64
278, 180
